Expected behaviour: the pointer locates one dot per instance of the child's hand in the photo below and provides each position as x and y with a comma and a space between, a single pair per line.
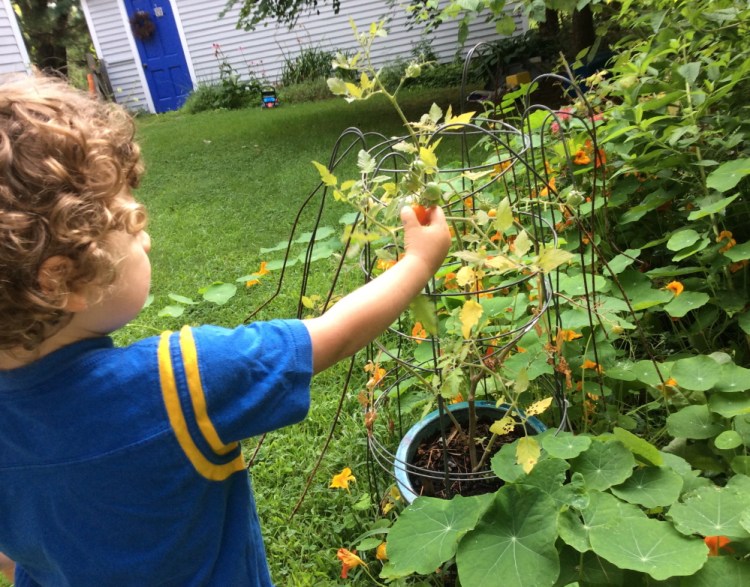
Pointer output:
429, 242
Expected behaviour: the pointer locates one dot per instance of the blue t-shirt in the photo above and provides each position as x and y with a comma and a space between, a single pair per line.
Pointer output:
121, 466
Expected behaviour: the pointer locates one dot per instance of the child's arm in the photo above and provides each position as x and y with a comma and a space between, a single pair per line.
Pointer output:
7, 567
358, 318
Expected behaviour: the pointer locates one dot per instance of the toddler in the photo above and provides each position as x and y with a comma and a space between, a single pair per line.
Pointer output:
122, 466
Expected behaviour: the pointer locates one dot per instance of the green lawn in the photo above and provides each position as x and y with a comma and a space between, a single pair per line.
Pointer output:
219, 186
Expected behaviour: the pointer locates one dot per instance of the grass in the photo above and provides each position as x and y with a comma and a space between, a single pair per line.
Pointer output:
219, 186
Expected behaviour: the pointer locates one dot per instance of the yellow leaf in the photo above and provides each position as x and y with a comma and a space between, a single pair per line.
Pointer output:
504, 216
325, 176
354, 90
465, 276
500, 262
552, 258
522, 244
470, 314
527, 453
428, 158
308, 303
459, 120
522, 381
539, 407
503, 426
364, 81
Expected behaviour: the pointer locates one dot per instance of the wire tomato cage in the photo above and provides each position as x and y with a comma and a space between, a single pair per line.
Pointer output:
538, 168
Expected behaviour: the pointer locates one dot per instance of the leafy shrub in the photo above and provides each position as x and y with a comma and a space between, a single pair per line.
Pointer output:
231, 92
312, 63
306, 91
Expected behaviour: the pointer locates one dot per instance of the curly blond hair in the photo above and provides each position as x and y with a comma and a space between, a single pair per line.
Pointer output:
64, 160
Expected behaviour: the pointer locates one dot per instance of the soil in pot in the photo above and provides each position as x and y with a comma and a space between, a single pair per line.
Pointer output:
430, 455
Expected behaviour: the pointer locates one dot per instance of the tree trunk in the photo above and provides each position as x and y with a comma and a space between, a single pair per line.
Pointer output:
550, 28
584, 34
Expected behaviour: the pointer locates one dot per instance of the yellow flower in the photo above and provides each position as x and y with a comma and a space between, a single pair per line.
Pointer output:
341, 481
381, 553
419, 332
675, 287
581, 158
385, 264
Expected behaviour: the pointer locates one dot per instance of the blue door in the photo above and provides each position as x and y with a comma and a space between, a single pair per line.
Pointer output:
160, 50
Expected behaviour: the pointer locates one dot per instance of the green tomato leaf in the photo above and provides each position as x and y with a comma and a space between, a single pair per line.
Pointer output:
604, 464
694, 422
712, 511
650, 487
440, 525
649, 546
514, 541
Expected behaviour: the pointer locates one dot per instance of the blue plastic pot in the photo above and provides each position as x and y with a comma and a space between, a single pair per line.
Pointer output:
430, 426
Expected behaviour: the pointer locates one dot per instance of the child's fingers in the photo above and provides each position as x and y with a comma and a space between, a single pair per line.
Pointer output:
408, 217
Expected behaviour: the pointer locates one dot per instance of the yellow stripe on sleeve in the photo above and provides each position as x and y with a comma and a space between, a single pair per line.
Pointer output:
197, 396
171, 398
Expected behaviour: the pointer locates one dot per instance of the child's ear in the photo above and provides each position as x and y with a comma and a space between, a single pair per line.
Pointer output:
52, 277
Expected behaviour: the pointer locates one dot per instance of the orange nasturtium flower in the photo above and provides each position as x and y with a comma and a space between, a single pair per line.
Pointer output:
716, 543
419, 332
675, 287
258, 273
349, 560
377, 374
550, 186
385, 264
342, 480
581, 157
568, 335
589, 364
381, 553
726, 235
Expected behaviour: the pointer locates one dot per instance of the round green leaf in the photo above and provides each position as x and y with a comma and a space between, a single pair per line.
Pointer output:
649, 546
733, 378
712, 511
639, 447
603, 510
720, 570
646, 372
172, 311
604, 464
730, 405
182, 299
728, 174
681, 239
439, 524
686, 301
738, 252
650, 487
565, 445
514, 542
693, 422
728, 440
220, 293
698, 373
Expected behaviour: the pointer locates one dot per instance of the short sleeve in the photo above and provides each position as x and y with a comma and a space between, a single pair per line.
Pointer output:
238, 383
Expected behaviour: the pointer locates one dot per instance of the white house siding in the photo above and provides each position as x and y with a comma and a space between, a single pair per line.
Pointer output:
115, 45
264, 49
13, 55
